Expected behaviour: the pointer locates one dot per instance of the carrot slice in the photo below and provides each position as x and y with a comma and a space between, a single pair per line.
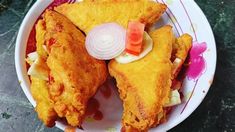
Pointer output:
135, 36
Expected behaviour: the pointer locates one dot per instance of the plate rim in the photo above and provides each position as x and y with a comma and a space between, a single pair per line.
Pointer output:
20, 66
201, 13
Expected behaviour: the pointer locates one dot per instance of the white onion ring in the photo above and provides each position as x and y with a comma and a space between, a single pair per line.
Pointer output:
147, 47
106, 41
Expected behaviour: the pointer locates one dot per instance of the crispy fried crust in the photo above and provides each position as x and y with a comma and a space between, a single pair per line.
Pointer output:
181, 47
44, 107
74, 74
87, 15
144, 85
180, 52
40, 34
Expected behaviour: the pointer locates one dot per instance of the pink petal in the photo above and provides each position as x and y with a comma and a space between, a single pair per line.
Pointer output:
196, 67
197, 49
58, 2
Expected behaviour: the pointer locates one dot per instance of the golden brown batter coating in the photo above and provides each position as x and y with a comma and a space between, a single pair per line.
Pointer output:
74, 74
87, 15
144, 85
181, 47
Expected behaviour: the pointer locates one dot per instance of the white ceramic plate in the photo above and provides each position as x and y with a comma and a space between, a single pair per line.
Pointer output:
186, 17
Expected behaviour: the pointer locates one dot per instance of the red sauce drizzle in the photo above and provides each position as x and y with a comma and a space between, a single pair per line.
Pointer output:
56, 3
31, 43
93, 109
167, 110
92, 106
98, 115
178, 81
106, 90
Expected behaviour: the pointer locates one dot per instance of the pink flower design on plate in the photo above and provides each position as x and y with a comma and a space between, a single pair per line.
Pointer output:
197, 63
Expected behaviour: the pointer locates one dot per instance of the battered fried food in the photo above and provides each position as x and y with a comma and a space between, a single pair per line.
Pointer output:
180, 52
44, 107
181, 47
74, 74
144, 85
87, 15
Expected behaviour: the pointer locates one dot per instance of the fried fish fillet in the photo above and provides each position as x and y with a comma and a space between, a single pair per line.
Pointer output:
39, 87
181, 47
144, 85
87, 15
74, 74
180, 52
44, 107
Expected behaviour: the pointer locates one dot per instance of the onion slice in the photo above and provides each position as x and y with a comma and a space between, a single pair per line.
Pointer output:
127, 58
106, 41
37, 66
174, 99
